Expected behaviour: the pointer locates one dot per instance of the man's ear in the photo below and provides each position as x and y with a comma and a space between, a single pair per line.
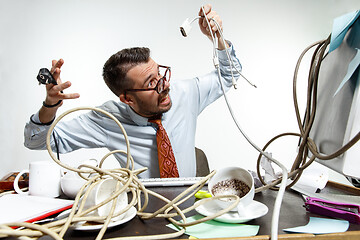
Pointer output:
125, 99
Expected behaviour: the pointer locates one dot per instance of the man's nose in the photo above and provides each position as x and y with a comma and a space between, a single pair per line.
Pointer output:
166, 84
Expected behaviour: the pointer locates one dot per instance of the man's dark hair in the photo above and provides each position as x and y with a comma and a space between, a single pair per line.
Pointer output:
117, 66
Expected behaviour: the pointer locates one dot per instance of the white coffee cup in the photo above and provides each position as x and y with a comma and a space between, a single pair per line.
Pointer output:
227, 176
44, 179
71, 182
103, 190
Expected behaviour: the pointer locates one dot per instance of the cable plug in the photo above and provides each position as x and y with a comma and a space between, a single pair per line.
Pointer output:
185, 28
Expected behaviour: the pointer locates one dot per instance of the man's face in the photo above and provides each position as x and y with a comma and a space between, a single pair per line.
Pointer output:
147, 103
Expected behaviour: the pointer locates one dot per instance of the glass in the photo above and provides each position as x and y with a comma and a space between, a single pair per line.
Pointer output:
165, 72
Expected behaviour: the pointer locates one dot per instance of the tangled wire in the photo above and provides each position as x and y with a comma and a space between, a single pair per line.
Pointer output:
127, 182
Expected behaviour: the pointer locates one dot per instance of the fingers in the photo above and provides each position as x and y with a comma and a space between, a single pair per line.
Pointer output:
64, 86
56, 64
212, 16
60, 87
55, 69
206, 8
202, 22
71, 96
55, 92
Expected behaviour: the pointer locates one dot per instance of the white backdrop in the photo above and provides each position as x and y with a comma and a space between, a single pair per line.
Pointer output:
268, 36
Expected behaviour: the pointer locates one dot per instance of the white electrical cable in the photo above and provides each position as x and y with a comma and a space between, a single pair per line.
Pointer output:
231, 61
212, 36
214, 48
279, 197
277, 205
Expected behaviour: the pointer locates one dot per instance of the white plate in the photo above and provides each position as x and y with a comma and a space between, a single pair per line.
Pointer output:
255, 210
130, 214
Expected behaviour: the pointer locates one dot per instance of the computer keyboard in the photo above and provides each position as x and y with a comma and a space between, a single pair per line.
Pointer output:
160, 182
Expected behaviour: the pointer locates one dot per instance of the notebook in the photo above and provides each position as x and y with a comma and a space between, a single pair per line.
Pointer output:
26, 208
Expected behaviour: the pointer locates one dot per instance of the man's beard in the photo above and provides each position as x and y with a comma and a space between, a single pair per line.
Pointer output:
149, 112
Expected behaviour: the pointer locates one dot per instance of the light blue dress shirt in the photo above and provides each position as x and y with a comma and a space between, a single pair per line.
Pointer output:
94, 130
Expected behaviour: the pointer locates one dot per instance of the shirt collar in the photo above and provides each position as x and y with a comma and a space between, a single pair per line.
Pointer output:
140, 120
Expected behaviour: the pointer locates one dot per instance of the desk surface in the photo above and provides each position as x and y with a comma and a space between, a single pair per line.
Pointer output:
292, 214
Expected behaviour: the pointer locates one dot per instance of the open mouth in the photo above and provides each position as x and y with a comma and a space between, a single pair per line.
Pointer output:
165, 99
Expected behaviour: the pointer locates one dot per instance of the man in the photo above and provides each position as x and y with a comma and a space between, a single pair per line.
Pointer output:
143, 87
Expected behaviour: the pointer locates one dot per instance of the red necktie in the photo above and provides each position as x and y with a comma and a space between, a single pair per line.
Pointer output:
167, 163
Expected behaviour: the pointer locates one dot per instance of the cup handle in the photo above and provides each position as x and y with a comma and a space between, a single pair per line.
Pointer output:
16, 182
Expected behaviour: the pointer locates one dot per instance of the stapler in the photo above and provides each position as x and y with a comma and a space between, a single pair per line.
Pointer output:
349, 212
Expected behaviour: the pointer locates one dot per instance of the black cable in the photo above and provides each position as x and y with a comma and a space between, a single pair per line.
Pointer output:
56, 146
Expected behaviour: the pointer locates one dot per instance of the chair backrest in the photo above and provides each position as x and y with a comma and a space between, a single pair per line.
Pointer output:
202, 165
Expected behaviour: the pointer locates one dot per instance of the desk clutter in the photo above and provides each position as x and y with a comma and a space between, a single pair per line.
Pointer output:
108, 195
109, 198
208, 220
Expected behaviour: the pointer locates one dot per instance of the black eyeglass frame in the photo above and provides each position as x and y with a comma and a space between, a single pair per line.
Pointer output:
157, 87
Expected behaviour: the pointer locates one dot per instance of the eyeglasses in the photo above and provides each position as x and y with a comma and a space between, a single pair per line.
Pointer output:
165, 73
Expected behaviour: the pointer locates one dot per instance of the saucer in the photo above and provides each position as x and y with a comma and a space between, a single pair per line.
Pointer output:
84, 226
256, 209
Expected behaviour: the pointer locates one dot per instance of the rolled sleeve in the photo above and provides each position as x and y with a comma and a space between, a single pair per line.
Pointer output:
35, 133
228, 66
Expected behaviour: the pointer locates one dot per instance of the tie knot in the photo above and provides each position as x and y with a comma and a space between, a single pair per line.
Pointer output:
156, 121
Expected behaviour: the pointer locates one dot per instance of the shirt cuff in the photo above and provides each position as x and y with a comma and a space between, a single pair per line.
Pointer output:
36, 120
222, 53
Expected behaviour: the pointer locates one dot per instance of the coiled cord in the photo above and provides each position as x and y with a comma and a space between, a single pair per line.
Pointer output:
129, 183
306, 143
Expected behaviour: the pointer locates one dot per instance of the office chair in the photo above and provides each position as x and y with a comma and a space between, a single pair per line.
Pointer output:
202, 166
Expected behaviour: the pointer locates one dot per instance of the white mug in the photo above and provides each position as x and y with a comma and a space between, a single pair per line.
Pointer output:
44, 179
71, 182
228, 175
103, 190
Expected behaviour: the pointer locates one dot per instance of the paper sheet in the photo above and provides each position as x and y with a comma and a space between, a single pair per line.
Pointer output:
321, 226
340, 26
313, 177
21, 208
353, 65
214, 229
